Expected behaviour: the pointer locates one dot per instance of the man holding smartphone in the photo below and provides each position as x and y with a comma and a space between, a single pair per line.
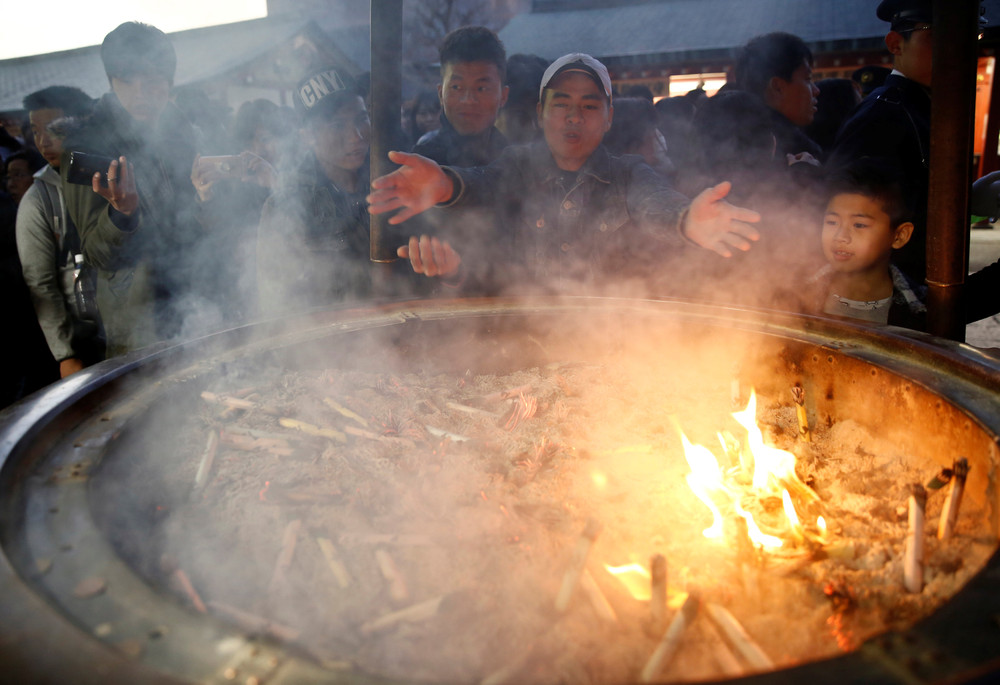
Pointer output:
137, 226
47, 242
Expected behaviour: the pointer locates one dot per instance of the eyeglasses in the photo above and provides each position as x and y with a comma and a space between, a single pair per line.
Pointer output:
918, 27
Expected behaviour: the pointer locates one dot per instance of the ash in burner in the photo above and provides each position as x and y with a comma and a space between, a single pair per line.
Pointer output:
422, 525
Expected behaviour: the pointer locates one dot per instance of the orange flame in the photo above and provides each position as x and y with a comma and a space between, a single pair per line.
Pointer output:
635, 578
773, 475
704, 479
770, 465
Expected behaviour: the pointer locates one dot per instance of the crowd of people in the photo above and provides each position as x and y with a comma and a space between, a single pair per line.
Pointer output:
142, 216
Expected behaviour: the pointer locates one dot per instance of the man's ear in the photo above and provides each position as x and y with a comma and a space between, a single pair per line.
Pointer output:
894, 41
611, 117
441, 94
772, 94
902, 234
503, 96
538, 109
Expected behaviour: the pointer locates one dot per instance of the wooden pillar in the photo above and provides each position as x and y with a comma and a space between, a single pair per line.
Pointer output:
386, 101
956, 27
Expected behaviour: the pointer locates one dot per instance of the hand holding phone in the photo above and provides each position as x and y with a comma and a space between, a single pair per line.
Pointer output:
83, 166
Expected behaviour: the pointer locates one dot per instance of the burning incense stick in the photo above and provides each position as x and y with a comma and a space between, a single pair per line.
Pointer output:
248, 443
597, 599
658, 591
415, 613
913, 560
236, 403
253, 623
288, 542
310, 429
344, 411
187, 586
799, 396
738, 638
578, 562
397, 584
439, 433
667, 647
941, 479
949, 515
207, 457
333, 561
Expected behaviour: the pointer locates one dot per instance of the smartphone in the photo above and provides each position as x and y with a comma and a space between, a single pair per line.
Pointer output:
83, 166
229, 166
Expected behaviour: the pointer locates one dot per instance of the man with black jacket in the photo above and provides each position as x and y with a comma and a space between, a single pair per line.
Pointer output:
566, 208
137, 226
472, 91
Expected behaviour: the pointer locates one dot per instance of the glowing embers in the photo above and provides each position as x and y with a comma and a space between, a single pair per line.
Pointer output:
759, 486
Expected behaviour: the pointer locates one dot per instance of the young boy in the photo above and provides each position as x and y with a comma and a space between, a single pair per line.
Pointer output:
865, 221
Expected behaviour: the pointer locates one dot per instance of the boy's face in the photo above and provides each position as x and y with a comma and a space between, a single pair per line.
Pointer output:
574, 115
471, 94
49, 145
144, 96
858, 235
340, 139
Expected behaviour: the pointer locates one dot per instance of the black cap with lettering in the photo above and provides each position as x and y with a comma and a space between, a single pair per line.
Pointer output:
323, 92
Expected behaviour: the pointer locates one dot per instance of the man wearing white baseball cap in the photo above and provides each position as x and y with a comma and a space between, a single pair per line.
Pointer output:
565, 207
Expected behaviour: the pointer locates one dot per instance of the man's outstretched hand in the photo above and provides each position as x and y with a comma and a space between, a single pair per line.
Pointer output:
430, 256
716, 225
416, 186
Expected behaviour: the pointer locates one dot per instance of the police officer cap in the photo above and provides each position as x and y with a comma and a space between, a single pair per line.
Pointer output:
904, 13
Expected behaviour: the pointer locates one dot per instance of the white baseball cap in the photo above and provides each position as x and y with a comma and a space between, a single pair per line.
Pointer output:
577, 61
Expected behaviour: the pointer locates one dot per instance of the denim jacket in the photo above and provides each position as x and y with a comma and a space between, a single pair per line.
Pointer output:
615, 217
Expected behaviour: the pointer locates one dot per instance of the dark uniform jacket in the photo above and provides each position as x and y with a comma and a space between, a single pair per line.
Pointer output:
313, 248
312, 243
894, 124
614, 217
446, 147
147, 263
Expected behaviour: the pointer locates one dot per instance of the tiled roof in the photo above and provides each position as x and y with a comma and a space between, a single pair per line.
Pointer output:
201, 54
684, 26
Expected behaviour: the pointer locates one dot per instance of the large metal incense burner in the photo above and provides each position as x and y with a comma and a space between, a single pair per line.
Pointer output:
78, 602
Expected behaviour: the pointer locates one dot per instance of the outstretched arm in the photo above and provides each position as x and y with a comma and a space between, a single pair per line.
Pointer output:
716, 225
416, 186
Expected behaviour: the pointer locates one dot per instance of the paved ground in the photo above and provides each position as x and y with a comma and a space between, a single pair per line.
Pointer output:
984, 249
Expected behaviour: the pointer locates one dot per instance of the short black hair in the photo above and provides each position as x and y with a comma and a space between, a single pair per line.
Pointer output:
474, 44
634, 118
254, 114
638, 90
878, 179
71, 100
524, 76
34, 160
134, 48
764, 57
